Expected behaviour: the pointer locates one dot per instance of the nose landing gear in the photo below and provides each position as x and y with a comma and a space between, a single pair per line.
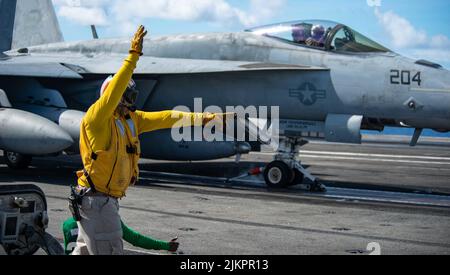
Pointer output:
278, 174
286, 169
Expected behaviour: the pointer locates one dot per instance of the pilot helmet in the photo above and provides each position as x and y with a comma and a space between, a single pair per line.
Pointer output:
129, 97
299, 33
318, 32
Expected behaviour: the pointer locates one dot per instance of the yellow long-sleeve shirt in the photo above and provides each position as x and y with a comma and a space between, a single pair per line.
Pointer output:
98, 129
105, 135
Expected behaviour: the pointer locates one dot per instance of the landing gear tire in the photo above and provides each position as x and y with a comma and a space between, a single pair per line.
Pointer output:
278, 174
17, 161
298, 178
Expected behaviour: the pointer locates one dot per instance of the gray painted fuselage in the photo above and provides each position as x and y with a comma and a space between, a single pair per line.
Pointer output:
357, 84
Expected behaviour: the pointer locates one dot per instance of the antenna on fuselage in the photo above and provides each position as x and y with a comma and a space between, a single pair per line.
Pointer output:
94, 32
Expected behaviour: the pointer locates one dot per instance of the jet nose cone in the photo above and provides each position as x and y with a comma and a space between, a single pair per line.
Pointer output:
30, 134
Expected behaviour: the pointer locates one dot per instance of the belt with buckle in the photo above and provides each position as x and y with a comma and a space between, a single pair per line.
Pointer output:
99, 194
89, 193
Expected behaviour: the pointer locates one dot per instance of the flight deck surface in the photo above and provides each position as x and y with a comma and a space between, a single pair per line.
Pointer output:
387, 193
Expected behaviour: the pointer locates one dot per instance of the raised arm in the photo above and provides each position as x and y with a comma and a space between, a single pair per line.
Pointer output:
104, 108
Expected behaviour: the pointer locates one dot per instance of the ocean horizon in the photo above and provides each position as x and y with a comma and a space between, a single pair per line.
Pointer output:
407, 132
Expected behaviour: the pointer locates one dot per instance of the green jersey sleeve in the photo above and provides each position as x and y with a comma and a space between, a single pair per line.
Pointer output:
139, 240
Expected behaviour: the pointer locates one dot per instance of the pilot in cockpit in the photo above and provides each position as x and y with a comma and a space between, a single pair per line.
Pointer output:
317, 38
300, 34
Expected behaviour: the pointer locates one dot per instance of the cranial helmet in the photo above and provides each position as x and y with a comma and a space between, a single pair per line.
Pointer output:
317, 31
299, 33
130, 95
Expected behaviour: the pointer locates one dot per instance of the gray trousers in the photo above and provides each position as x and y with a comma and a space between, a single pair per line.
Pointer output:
100, 229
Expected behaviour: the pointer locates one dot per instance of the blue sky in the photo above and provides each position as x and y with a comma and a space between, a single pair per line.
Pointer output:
416, 28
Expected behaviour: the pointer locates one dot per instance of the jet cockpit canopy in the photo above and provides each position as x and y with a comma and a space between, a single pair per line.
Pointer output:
320, 34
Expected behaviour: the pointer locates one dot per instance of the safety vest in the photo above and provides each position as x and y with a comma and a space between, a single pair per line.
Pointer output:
114, 170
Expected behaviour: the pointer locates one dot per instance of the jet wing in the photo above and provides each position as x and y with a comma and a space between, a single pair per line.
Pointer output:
152, 65
64, 66
39, 69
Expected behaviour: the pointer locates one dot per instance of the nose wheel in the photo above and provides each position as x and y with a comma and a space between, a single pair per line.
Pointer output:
286, 170
278, 174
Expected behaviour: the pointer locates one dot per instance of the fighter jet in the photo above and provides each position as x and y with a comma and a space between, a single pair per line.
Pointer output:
328, 80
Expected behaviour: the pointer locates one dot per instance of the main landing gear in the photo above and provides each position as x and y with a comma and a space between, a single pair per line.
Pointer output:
286, 170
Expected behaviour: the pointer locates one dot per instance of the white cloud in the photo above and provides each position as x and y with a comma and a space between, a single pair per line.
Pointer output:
414, 42
440, 41
84, 16
374, 3
401, 31
81, 3
212, 11
440, 56
83, 12
261, 10
123, 14
191, 10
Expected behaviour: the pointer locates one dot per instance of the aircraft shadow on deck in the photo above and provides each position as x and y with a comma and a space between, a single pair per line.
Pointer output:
49, 171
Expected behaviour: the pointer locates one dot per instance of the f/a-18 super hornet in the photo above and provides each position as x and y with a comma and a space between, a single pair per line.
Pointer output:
328, 80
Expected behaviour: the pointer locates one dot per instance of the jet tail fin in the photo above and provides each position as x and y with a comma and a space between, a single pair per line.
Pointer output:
27, 23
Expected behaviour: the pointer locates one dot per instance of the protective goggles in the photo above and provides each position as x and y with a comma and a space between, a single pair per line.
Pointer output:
129, 99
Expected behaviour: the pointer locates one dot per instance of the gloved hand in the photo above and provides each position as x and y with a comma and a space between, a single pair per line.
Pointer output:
137, 43
173, 245
207, 117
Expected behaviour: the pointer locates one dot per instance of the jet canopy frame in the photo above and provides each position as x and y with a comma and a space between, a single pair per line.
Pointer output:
321, 34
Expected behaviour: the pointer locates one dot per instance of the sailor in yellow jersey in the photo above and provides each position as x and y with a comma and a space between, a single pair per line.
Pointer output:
110, 151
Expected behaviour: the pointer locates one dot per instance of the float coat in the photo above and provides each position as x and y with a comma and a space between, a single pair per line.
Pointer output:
109, 143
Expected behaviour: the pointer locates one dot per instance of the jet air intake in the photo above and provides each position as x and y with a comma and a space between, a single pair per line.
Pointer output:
343, 128
336, 128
